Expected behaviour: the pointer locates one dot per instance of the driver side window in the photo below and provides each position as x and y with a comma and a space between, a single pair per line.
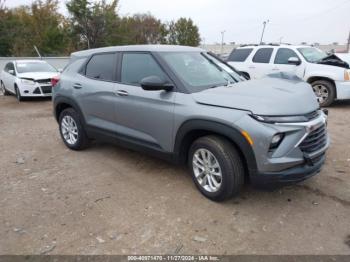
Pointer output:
136, 66
283, 55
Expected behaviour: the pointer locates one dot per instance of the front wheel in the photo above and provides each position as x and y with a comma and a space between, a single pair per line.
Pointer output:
217, 168
72, 131
18, 94
324, 91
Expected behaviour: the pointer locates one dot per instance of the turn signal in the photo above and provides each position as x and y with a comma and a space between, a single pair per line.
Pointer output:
347, 75
247, 137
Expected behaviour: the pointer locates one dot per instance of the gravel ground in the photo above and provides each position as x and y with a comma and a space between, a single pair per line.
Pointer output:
109, 200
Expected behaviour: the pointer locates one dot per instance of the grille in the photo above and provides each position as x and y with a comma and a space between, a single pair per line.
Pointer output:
43, 81
315, 140
46, 89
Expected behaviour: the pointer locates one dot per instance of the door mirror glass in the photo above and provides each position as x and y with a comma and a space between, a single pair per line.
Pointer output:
294, 61
155, 83
12, 72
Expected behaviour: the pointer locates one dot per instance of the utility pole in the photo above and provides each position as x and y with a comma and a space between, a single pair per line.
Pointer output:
264, 26
281, 39
348, 47
222, 41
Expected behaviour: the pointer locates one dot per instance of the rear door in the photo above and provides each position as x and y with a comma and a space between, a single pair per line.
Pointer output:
261, 64
94, 90
9, 79
144, 116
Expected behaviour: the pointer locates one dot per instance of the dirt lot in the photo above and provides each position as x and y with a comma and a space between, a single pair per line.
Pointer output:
108, 200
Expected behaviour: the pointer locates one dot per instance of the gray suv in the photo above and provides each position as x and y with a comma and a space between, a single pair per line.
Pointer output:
186, 105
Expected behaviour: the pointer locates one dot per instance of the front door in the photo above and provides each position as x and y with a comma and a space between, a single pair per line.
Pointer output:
144, 116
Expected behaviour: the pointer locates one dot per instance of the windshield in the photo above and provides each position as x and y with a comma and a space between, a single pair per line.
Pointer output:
26, 67
312, 54
200, 71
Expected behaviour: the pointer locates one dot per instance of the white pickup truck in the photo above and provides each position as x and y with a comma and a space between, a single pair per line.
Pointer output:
328, 75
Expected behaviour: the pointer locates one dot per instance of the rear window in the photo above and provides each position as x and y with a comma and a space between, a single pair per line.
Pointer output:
263, 55
101, 67
240, 55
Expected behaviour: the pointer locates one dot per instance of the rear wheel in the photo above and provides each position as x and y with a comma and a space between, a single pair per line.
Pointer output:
72, 130
217, 168
325, 92
3, 89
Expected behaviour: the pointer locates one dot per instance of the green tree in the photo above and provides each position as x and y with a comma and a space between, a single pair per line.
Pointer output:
183, 32
91, 23
141, 29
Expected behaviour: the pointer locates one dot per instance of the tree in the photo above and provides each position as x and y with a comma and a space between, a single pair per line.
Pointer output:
183, 32
141, 29
91, 23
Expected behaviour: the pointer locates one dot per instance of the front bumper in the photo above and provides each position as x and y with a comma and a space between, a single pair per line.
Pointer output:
343, 89
36, 90
289, 176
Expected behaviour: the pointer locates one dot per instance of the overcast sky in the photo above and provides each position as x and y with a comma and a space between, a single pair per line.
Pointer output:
323, 21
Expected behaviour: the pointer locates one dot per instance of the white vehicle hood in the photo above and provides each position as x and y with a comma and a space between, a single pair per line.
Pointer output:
38, 75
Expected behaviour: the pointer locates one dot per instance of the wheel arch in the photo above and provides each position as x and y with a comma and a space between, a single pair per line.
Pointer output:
194, 129
312, 79
61, 103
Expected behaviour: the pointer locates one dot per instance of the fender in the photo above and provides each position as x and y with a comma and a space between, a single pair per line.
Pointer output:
229, 132
66, 100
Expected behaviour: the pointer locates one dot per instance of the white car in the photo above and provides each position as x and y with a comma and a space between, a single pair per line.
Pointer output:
27, 78
328, 74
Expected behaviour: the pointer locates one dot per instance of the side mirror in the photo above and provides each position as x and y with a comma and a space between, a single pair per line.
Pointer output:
155, 83
11, 71
294, 61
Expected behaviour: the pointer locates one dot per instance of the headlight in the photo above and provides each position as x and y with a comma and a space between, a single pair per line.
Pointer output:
27, 81
347, 75
280, 119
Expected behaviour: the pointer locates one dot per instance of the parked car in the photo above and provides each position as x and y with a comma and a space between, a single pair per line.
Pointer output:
328, 75
27, 78
186, 105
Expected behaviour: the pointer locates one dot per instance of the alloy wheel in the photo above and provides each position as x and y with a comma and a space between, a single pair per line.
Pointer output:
69, 130
207, 170
321, 93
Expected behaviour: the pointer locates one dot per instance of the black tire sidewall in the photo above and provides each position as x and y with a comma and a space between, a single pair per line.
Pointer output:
331, 91
18, 94
227, 184
80, 142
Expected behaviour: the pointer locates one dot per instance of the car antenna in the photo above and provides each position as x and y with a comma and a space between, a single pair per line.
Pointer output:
37, 51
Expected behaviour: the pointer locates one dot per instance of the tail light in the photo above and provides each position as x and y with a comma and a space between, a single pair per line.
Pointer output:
54, 80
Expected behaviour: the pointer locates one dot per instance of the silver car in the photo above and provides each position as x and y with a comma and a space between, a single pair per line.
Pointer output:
188, 106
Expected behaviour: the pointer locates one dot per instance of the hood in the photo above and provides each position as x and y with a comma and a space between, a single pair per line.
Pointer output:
38, 75
333, 60
266, 96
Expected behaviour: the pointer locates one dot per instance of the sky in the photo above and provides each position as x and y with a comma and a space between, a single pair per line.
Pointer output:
295, 21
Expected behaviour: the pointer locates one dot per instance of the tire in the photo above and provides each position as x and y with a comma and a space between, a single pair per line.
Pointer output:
18, 94
325, 92
69, 119
228, 162
3, 89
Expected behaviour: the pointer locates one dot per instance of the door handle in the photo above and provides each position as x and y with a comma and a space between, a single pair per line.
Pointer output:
77, 86
251, 67
122, 93
275, 69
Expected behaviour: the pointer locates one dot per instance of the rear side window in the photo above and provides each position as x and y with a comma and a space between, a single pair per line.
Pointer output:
136, 66
101, 67
240, 55
263, 55
283, 54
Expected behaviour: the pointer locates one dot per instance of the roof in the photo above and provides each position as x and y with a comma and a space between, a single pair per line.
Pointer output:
139, 48
29, 61
273, 45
